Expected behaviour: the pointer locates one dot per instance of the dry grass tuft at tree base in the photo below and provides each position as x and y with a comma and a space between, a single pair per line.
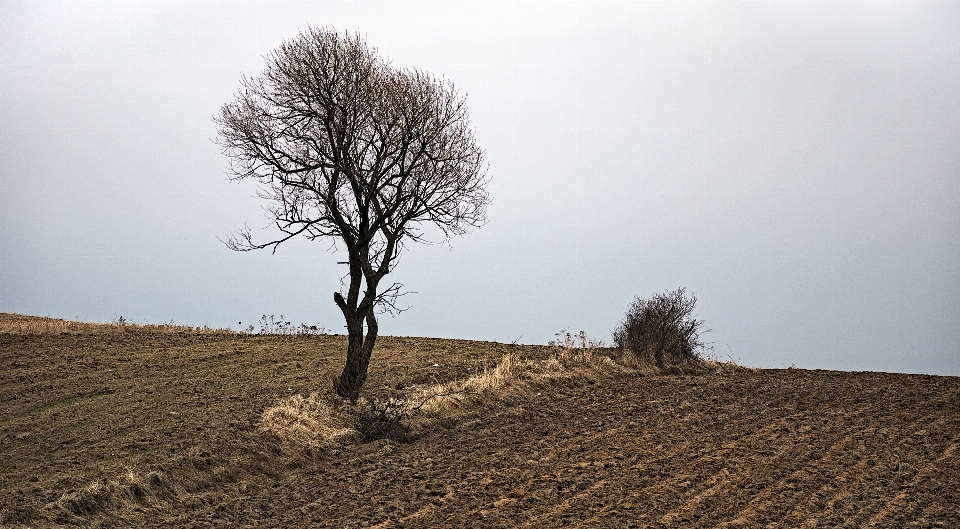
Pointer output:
145, 426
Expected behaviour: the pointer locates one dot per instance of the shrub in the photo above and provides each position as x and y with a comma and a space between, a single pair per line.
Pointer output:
384, 418
661, 332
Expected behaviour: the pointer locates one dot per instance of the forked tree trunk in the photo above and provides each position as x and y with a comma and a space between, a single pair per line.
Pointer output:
359, 349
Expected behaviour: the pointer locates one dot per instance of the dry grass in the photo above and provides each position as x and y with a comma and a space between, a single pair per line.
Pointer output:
308, 423
129, 489
565, 363
317, 422
455, 394
32, 325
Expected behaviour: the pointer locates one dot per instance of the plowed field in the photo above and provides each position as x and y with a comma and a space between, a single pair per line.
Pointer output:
127, 426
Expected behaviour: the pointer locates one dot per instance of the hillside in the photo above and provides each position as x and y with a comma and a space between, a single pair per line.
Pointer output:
157, 426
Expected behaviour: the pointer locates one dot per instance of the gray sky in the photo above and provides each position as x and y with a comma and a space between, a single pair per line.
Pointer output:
796, 165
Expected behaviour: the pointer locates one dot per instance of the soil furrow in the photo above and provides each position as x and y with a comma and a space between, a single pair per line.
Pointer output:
899, 502
808, 477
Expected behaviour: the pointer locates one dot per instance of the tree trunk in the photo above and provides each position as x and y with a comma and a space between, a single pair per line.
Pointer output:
354, 372
359, 349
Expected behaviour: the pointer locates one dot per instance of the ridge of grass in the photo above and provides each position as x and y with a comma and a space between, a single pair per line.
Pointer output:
22, 324
304, 424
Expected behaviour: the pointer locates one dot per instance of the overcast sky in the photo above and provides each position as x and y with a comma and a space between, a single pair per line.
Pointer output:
795, 165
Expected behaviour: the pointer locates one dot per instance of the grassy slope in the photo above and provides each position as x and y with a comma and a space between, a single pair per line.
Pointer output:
89, 405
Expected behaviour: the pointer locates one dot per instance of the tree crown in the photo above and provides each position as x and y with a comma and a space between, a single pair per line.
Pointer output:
342, 144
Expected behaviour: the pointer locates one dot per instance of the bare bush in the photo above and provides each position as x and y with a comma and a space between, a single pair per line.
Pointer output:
384, 418
661, 332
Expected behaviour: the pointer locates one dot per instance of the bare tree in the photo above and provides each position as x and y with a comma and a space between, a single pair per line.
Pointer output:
345, 146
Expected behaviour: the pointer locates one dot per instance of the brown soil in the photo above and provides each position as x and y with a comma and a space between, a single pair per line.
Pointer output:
110, 426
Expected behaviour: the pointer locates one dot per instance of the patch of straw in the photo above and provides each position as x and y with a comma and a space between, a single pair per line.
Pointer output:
564, 364
102, 495
452, 395
305, 423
